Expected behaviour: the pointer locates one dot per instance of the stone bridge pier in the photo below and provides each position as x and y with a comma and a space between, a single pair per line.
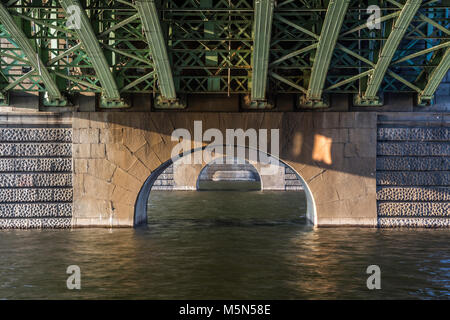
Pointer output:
115, 153
96, 169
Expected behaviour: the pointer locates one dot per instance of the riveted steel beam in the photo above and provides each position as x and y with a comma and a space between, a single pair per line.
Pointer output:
153, 32
3, 93
435, 78
262, 29
370, 96
327, 42
110, 93
54, 96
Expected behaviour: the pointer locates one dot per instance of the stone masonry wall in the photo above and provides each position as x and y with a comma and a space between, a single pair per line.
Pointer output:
115, 152
35, 171
413, 171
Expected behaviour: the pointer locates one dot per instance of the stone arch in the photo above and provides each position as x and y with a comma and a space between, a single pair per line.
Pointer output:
114, 153
214, 170
140, 212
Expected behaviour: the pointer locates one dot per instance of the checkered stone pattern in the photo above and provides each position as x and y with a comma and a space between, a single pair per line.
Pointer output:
413, 175
35, 177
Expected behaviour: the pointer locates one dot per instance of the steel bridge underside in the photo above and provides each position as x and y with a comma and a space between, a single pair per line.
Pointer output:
259, 49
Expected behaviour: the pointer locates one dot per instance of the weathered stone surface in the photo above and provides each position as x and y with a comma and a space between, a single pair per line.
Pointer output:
31, 210
120, 155
101, 168
81, 151
413, 163
413, 148
413, 193
80, 165
36, 223
126, 180
35, 149
414, 134
38, 164
138, 143
98, 151
35, 134
414, 222
419, 209
35, 195
103, 189
35, 180
411, 178
133, 139
89, 135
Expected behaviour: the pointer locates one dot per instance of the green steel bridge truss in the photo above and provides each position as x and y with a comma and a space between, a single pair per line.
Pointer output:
255, 48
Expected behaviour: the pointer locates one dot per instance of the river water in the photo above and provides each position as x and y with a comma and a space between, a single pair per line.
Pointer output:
225, 245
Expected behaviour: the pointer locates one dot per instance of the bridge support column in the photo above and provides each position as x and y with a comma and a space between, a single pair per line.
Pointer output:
53, 95
152, 28
262, 28
370, 96
110, 96
426, 96
327, 42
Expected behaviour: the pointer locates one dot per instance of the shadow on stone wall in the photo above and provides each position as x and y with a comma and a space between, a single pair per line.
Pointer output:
116, 151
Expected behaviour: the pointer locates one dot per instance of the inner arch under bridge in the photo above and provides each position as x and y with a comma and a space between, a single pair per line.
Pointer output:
257, 49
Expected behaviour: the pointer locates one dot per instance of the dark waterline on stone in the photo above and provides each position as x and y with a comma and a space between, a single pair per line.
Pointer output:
225, 245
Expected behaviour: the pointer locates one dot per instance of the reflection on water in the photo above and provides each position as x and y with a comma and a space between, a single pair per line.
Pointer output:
233, 245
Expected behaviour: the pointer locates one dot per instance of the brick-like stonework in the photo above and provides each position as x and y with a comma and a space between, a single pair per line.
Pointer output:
425, 148
36, 174
38, 164
414, 134
413, 163
413, 172
35, 135
35, 149
32, 210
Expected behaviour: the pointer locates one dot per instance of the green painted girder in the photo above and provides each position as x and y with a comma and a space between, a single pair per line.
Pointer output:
152, 28
54, 98
436, 77
3, 93
409, 10
110, 92
328, 38
262, 29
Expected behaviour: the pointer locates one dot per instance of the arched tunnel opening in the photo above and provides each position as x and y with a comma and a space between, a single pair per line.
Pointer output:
225, 174
225, 189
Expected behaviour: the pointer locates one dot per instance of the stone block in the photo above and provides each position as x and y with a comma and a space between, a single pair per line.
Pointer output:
80, 120
347, 119
139, 171
123, 196
148, 157
326, 120
81, 151
126, 181
100, 120
413, 163
103, 189
413, 149
89, 135
413, 193
101, 168
98, 151
111, 135
133, 139
120, 155
80, 165
365, 120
